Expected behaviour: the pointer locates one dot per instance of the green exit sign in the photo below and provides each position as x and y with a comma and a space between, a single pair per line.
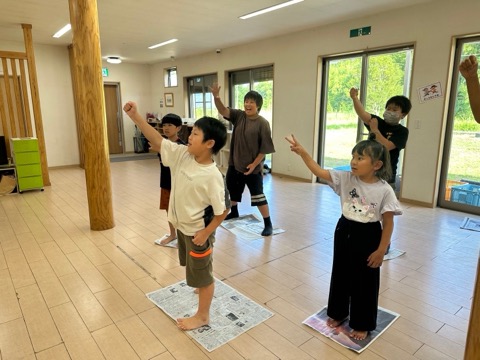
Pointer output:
367, 30
104, 72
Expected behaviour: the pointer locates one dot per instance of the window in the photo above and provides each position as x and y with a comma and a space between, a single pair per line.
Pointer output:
171, 77
260, 80
379, 75
460, 179
200, 98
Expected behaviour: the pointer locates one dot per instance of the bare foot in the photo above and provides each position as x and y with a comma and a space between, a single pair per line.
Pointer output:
168, 240
334, 323
192, 323
358, 335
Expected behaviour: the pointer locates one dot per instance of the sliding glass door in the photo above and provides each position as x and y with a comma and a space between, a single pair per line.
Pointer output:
379, 75
460, 177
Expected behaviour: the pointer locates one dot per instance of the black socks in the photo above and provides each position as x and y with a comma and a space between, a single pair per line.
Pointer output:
233, 213
267, 231
268, 227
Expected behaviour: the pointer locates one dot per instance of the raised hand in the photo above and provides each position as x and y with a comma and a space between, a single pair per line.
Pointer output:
469, 67
215, 89
130, 108
295, 146
354, 93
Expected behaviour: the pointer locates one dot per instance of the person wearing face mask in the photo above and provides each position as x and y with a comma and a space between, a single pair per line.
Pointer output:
388, 130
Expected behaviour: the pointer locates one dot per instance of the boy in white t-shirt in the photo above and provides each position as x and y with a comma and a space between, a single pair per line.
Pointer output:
199, 202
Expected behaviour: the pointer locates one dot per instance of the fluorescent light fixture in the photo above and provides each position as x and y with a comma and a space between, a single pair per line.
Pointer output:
62, 31
114, 60
163, 43
271, 8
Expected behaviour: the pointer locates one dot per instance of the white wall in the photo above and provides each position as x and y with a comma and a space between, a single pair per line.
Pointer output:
296, 99
56, 101
135, 85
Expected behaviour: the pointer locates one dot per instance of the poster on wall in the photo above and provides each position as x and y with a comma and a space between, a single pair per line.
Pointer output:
429, 92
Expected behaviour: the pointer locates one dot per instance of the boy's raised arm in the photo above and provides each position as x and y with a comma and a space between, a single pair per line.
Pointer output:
357, 105
148, 131
469, 70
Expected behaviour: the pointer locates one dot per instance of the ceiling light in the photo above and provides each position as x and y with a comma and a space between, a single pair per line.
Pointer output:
271, 8
163, 43
114, 60
62, 31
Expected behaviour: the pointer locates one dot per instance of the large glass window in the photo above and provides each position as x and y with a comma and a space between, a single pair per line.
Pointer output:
200, 98
260, 80
171, 77
379, 75
460, 178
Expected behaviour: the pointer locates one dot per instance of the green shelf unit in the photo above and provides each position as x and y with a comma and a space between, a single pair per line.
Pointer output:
27, 162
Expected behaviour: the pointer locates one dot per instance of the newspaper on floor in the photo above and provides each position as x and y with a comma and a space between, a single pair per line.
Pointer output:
393, 253
231, 312
340, 334
470, 224
247, 227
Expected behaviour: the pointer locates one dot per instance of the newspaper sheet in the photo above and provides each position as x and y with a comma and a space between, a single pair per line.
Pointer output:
340, 334
247, 227
231, 313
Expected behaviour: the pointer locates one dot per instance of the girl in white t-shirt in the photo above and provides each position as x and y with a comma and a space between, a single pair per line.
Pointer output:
362, 233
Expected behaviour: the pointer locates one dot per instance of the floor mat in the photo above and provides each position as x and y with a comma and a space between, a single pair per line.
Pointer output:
231, 313
248, 227
470, 224
340, 334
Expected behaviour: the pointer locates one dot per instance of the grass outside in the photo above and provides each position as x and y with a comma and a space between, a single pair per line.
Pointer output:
341, 136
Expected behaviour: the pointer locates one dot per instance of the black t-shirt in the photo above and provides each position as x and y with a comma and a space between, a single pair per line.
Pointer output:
398, 135
165, 175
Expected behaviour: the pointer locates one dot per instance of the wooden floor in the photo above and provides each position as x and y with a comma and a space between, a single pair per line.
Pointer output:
67, 292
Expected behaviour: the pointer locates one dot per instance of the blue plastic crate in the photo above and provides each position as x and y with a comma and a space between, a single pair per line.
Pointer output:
466, 194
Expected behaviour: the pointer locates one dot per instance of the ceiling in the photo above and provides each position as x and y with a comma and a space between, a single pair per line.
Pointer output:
128, 27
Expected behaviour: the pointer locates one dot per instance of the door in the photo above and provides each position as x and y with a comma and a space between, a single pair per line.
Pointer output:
114, 118
460, 176
379, 75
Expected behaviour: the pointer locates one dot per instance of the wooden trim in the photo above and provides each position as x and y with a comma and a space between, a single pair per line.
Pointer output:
26, 108
472, 347
415, 202
18, 99
291, 177
13, 55
11, 114
3, 119
37, 112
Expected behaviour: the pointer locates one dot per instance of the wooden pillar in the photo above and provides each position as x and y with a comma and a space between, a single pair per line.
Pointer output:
37, 113
472, 348
88, 67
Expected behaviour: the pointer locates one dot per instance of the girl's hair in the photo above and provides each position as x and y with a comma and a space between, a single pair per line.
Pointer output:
375, 151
